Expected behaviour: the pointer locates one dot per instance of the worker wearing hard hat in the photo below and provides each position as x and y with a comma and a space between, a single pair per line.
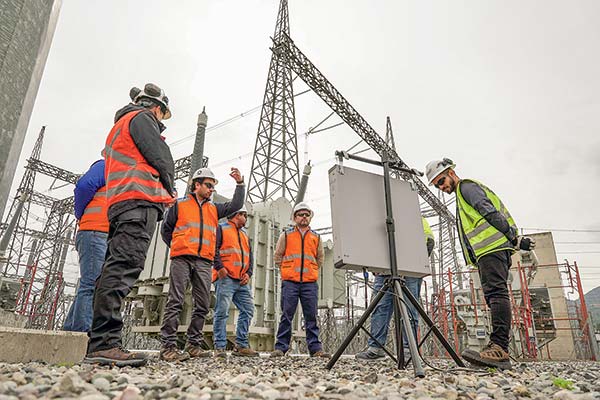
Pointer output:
299, 256
190, 229
488, 235
382, 315
232, 271
139, 172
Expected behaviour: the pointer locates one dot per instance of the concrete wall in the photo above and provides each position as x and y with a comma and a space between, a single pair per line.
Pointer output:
563, 346
26, 30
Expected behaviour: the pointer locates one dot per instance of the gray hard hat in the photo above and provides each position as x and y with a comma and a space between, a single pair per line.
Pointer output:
155, 94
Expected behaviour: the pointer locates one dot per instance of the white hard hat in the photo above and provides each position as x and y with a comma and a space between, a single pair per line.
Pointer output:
241, 210
152, 92
436, 167
204, 173
302, 206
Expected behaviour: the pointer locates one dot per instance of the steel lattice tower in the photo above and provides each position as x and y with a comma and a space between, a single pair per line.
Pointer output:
275, 161
19, 210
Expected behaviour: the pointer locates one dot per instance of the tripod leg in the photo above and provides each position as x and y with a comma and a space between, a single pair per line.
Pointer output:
434, 329
358, 325
412, 342
398, 333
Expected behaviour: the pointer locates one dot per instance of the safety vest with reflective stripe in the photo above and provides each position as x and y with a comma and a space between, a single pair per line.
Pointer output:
128, 174
195, 232
234, 251
95, 216
427, 230
299, 263
482, 237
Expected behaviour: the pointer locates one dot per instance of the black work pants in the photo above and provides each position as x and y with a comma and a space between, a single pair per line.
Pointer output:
129, 238
186, 269
493, 271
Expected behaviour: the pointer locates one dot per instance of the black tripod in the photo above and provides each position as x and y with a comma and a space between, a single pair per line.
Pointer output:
396, 286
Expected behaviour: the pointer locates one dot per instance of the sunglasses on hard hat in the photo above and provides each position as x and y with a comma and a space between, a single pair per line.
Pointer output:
440, 182
208, 185
303, 214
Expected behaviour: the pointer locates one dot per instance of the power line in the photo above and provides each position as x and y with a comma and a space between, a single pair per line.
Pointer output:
227, 121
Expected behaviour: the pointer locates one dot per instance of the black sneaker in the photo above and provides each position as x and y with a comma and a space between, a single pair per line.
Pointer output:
369, 356
117, 356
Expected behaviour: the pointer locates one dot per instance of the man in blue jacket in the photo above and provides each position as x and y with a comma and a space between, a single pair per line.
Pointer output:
90, 242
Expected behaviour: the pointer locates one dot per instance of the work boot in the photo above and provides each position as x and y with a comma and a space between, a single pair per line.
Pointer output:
197, 351
371, 355
244, 352
116, 356
321, 354
277, 353
220, 353
492, 356
172, 354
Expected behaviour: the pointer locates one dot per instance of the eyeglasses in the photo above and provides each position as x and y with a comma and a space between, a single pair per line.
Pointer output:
208, 185
303, 214
440, 182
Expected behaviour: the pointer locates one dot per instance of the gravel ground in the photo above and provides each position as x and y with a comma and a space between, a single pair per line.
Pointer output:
295, 378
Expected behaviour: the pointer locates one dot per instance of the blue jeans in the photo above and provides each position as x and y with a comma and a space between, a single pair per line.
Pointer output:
381, 316
228, 290
91, 247
307, 293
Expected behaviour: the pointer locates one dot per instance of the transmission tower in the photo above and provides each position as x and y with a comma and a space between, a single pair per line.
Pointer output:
19, 212
275, 168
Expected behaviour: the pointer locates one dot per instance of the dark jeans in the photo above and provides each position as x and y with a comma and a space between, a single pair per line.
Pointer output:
129, 238
493, 272
307, 293
91, 247
186, 269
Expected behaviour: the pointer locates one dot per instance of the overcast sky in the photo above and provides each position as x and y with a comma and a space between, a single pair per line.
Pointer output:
508, 90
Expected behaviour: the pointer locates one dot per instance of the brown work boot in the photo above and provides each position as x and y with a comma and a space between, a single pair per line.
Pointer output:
277, 353
492, 356
244, 352
172, 354
197, 351
116, 356
220, 353
320, 354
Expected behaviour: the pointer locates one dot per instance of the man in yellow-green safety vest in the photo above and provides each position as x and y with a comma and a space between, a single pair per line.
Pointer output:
488, 235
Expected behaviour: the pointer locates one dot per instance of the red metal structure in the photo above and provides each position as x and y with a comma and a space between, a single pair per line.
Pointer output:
532, 327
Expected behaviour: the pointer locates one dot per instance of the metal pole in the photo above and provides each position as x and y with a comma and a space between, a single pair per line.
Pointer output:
198, 153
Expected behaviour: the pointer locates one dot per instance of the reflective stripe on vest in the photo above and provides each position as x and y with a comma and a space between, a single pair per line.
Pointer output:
95, 216
234, 251
128, 174
299, 262
195, 231
482, 237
